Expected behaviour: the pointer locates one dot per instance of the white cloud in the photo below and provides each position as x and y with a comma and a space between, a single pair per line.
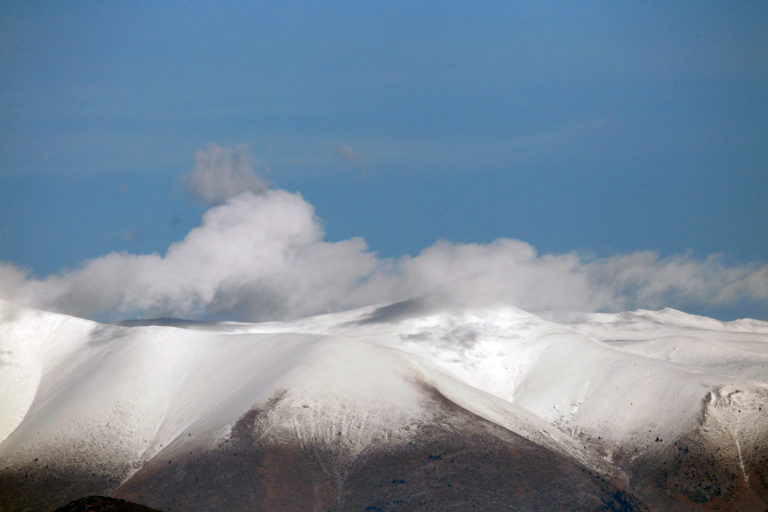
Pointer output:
645, 279
224, 172
256, 256
261, 254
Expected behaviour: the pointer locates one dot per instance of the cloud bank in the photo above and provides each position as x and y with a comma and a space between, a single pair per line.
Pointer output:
261, 253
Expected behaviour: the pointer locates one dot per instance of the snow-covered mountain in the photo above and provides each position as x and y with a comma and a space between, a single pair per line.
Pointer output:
392, 407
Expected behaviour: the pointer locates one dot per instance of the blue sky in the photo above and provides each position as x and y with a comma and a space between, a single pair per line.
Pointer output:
603, 128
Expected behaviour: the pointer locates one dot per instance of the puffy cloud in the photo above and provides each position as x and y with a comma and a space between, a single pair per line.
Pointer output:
261, 254
504, 271
224, 172
256, 256
645, 279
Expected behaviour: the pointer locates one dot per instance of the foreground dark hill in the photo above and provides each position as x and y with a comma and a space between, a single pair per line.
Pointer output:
103, 504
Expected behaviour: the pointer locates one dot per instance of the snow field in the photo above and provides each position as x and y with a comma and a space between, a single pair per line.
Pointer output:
71, 389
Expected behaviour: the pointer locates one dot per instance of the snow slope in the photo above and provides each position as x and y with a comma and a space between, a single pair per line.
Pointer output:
593, 388
628, 377
120, 395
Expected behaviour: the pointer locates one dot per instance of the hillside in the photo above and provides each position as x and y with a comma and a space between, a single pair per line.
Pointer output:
395, 407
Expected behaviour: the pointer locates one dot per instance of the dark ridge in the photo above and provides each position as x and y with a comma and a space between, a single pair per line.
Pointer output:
103, 504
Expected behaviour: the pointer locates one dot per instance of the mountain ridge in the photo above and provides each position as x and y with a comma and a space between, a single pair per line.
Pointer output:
140, 412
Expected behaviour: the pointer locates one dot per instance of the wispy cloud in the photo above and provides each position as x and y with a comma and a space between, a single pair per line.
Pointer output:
223, 172
135, 234
346, 153
261, 254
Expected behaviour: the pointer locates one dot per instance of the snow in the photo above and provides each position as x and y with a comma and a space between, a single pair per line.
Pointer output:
31, 344
128, 393
627, 377
122, 395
